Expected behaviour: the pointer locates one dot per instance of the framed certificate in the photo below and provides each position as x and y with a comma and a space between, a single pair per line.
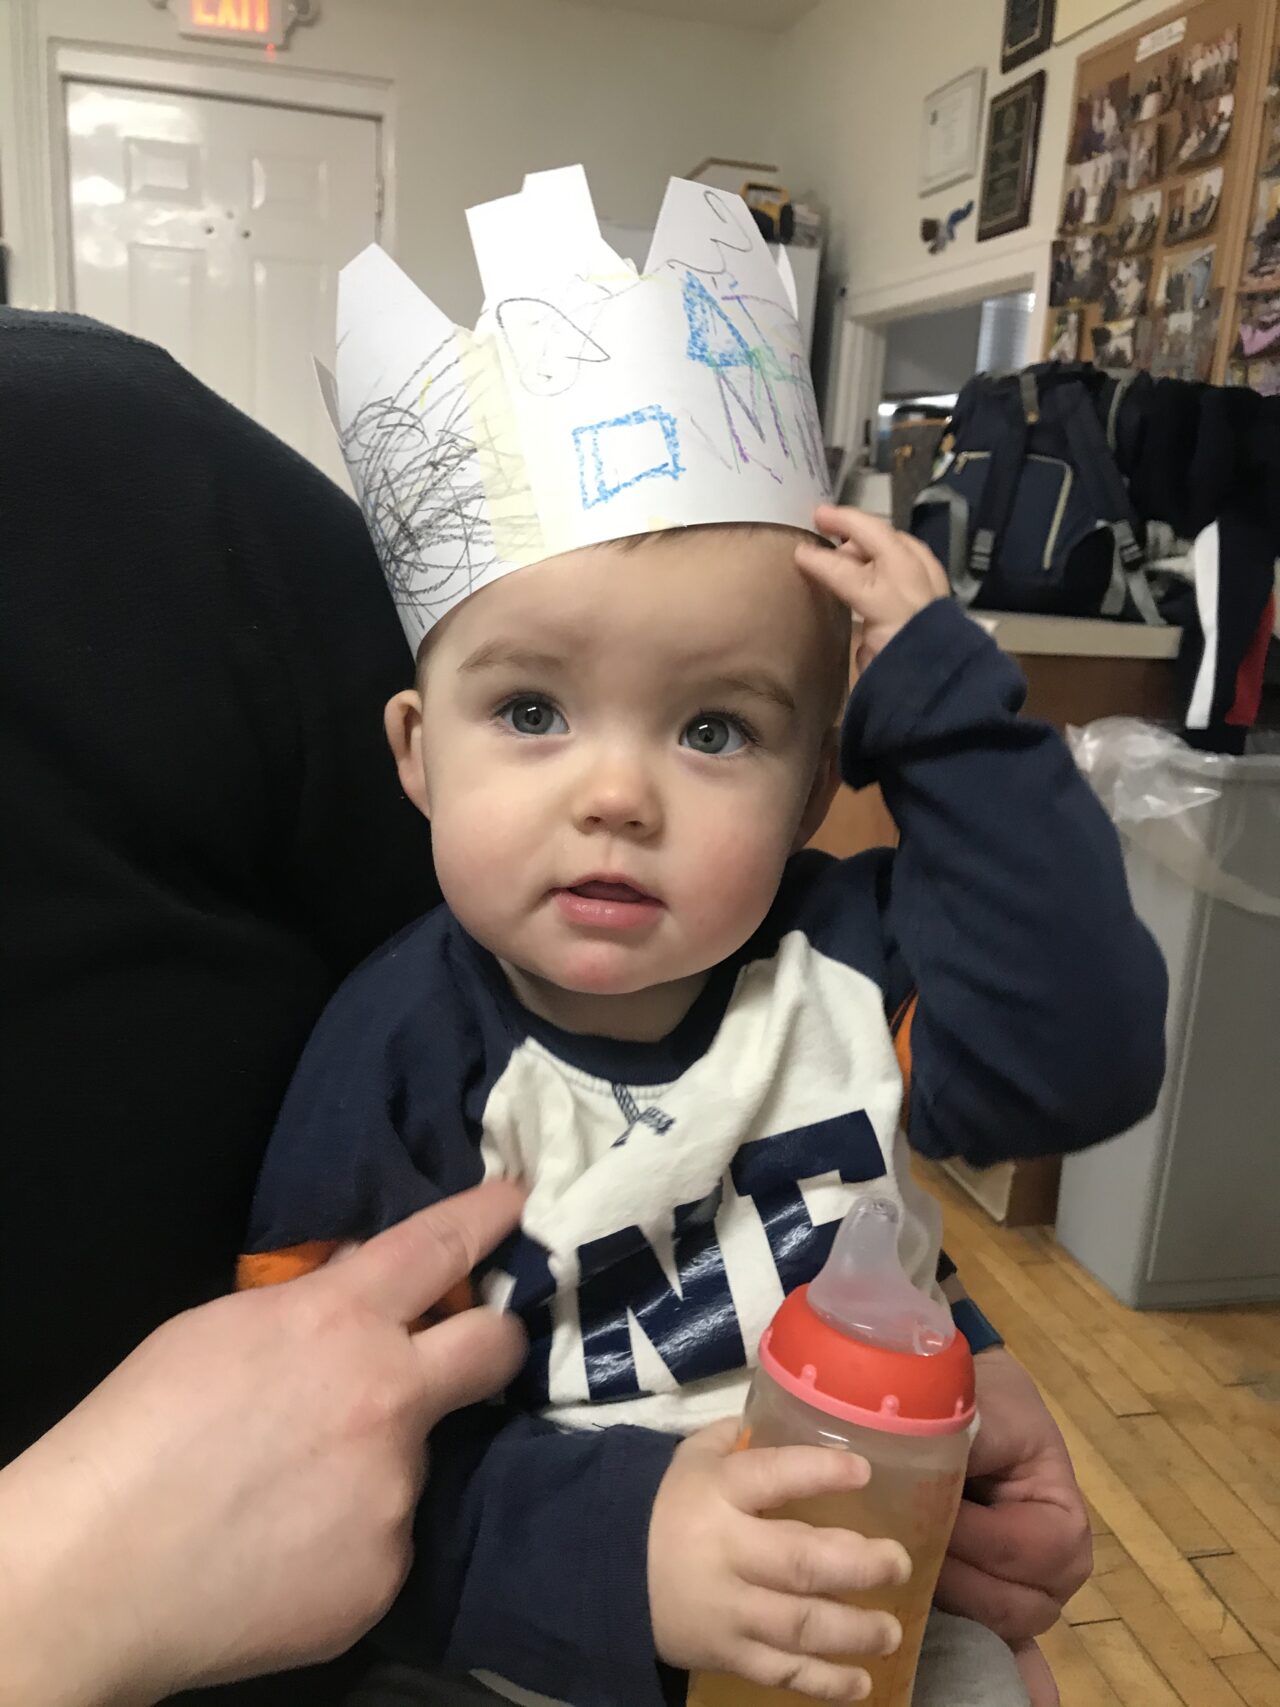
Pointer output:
950, 132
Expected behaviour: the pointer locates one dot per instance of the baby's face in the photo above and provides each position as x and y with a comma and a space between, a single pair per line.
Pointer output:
620, 749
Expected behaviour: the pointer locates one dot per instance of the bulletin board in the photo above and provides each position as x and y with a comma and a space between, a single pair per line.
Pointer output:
1159, 192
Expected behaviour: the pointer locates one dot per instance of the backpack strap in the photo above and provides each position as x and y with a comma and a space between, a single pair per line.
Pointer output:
964, 583
1008, 455
1108, 496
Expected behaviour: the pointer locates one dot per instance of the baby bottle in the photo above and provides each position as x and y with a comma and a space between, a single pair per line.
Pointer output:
863, 1361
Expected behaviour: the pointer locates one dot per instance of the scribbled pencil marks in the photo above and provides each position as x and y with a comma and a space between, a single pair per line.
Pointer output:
548, 348
728, 227
427, 481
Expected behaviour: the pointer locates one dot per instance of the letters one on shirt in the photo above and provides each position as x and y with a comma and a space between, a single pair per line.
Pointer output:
667, 1223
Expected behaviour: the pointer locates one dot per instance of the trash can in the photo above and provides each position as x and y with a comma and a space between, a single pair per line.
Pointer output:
1184, 1210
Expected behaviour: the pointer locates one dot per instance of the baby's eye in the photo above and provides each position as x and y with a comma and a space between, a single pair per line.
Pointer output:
533, 715
714, 735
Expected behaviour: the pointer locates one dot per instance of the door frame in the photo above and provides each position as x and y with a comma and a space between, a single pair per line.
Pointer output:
868, 315
260, 85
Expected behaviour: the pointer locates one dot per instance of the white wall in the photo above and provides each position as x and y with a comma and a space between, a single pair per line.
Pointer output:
484, 90
857, 73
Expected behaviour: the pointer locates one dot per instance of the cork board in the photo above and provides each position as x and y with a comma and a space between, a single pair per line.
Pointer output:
1158, 191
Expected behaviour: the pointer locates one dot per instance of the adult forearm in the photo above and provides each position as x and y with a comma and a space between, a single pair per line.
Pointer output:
67, 1635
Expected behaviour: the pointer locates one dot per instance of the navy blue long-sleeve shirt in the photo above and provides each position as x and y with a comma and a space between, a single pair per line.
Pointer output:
730, 1149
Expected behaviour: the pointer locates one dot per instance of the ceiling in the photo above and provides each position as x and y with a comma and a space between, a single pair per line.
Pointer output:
772, 15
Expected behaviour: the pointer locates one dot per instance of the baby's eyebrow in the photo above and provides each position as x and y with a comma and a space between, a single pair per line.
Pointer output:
762, 686
501, 654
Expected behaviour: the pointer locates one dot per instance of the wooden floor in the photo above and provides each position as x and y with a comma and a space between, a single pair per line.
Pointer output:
1173, 1420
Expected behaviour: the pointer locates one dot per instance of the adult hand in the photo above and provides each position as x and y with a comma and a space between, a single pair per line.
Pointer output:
1021, 1545
885, 577
237, 1496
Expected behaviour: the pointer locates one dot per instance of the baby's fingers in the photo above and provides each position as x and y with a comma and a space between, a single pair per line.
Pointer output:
819, 1679
797, 1559
870, 536
850, 578
798, 1625
771, 1476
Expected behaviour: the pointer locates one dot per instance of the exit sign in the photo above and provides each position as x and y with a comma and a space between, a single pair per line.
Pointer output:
261, 23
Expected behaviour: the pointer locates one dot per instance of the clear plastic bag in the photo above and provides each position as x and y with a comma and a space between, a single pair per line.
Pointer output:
1213, 821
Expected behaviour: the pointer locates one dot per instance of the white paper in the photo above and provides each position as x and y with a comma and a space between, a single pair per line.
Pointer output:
1169, 35
590, 402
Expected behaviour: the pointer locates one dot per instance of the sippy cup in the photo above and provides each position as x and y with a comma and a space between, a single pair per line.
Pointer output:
862, 1361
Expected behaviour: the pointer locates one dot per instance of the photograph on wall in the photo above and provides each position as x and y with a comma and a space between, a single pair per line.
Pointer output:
1210, 67
1125, 292
1113, 344
1009, 168
1154, 91
1263, 377
1259, 332
1193, 206
1262, 264
1184, 341
1204, 194
1064, 339
1099, 120
1203, 131
1143, 166
1091, 192
1269, 166
1078, 271
1140, 222
1027, 32
1184, 281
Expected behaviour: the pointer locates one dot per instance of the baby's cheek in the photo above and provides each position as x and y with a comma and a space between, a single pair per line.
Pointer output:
736, 879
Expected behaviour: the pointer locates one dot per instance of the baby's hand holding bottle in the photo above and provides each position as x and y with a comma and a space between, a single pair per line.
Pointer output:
732, 1591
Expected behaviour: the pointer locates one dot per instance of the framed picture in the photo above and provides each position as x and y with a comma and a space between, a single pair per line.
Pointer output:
950, 131
1028, 30
1008, 173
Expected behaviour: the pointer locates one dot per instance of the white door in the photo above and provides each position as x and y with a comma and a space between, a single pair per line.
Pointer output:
216, 228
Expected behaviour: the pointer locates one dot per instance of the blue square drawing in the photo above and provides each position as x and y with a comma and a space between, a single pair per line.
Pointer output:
615, 455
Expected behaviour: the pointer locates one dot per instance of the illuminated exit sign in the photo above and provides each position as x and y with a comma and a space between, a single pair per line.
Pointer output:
260, 23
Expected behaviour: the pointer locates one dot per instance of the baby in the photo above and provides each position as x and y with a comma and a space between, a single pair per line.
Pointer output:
693, 1041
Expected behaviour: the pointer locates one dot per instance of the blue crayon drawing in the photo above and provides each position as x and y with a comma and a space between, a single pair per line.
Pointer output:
615, 455
713, 337
762, 383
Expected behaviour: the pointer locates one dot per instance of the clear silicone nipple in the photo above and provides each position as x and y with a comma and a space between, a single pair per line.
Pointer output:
863, 1289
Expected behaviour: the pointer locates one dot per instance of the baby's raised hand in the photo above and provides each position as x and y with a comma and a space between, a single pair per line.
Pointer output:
732, 1591
885, 577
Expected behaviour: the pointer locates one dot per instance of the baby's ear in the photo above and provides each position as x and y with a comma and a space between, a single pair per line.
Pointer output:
826, 780
402, 721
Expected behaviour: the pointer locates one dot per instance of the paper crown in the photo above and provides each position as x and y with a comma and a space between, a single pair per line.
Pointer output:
591, 401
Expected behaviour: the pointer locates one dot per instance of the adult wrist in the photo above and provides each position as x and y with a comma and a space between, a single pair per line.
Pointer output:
63, 1639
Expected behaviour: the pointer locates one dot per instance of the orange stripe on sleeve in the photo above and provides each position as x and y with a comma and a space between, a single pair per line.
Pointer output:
902, 1049
269, 1268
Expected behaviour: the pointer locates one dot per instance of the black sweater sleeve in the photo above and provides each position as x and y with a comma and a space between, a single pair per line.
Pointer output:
1041, 997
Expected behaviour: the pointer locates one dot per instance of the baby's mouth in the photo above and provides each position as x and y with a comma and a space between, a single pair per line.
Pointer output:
598, 890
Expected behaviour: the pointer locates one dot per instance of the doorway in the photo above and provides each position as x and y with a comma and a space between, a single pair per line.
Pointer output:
928, 358
215, 227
